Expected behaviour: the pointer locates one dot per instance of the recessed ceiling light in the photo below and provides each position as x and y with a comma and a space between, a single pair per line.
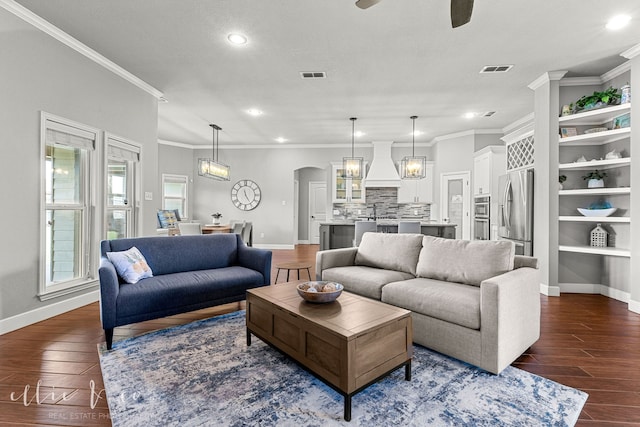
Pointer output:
237, 39
417, 133
358, 134
469, 115
254, 112
618, 22
281, 140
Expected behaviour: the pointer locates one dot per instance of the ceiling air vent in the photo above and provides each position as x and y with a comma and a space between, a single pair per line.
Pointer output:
495, 69
488, 114
313, 75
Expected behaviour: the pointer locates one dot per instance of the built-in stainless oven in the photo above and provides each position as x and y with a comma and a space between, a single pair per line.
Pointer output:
481, 207
481, 218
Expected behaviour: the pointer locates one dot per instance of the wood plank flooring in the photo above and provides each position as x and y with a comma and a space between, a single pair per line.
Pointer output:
587, 341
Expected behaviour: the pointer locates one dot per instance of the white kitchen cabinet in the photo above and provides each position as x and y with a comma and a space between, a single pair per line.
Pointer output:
488, 165
417, 190
346, 190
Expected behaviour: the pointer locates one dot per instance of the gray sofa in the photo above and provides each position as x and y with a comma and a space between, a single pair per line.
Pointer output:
189, 273
473, 300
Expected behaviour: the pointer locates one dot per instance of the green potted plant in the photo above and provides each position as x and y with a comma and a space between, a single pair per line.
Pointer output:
216, 218
595, 179
598, 99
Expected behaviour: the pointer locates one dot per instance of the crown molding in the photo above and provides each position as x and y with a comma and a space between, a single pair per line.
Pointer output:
64, 38
518, 124
545, 78
632, 52
619, 70
581, 81
518, 134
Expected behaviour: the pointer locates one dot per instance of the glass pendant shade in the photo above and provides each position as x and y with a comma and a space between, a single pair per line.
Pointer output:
212, 168
353, 166
413, 167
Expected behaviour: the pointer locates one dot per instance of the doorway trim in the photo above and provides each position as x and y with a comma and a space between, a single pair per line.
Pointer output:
445, 177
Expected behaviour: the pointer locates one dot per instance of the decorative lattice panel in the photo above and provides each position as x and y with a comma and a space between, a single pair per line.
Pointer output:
520, 153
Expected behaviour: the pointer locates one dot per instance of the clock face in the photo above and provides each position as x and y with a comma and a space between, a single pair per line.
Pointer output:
246, 195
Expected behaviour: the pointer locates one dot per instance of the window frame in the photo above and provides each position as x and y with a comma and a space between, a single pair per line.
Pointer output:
88, 237
134, 225
185, 199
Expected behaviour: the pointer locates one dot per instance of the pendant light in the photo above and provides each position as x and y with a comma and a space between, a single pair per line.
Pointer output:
352, 166
212, 168
413, 167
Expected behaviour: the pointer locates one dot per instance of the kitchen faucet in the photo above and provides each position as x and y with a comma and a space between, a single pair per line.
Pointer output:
375, 216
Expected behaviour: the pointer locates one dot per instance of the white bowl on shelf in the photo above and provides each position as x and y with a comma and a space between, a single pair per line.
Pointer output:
597, 212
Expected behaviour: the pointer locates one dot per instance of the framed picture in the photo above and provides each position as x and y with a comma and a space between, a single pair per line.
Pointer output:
567, 132
623, 121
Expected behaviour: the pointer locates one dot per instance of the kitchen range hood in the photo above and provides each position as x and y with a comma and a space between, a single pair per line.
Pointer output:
382, 172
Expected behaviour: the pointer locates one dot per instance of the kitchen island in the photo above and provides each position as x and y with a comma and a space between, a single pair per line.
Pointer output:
340, 234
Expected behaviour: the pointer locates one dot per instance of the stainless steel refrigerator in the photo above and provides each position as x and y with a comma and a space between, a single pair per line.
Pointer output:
515, 210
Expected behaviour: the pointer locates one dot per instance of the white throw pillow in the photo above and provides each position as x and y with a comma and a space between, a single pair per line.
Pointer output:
464, 261
130, 265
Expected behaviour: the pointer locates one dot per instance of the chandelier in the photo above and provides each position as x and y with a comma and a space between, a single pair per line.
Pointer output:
352, 166
212, 168
413, 167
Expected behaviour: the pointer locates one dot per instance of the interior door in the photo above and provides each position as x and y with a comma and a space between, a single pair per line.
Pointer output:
455, 202
317, 209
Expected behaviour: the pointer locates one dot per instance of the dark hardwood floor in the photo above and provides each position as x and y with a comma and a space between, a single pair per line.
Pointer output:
50, 373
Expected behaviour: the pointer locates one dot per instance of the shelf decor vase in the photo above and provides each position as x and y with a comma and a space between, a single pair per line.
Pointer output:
595, 183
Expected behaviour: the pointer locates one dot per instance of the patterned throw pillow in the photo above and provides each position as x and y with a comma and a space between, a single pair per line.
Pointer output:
167, 219
130, 265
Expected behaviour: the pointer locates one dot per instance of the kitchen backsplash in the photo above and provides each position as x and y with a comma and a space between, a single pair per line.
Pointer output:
386, 201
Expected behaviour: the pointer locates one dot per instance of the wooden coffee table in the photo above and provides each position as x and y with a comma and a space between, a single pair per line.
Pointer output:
349, 344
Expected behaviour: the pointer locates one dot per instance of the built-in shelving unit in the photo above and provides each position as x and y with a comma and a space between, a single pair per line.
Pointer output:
574, 227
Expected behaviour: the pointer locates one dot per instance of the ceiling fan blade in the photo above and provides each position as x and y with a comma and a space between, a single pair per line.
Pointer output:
461, 12
364, 4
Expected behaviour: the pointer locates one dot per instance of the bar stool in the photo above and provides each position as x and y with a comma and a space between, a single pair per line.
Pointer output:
409, 227
292, 266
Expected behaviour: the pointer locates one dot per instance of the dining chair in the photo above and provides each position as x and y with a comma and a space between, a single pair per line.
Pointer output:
362, 227
247, 234
238, 227
189, 228
409, 227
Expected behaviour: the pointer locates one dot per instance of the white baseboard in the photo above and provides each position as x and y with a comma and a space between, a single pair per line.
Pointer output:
550, 291
274, 246
39, 314
634, 306
594, 288
304, 242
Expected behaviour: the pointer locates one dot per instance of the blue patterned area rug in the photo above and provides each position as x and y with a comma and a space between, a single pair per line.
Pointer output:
203, 374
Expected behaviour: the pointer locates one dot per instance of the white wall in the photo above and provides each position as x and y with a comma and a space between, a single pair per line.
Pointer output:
451, 155
37, 73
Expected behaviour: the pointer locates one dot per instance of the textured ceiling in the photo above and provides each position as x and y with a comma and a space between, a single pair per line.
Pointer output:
396, 59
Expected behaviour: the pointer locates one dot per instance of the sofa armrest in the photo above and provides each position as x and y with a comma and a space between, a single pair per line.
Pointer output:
509, 316
520, 261
330, 258
256, 259
109, 289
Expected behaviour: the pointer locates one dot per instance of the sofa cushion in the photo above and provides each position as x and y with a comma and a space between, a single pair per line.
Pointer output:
390, 251
130, 265
464, 261
170, 291
447, 301
182, 253
362, 280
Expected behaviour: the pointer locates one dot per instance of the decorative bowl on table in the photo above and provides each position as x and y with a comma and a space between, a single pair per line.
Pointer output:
319, 291
597, 212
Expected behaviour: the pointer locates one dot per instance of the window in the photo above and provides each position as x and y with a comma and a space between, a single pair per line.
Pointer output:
69, 243
122, 169
175, 194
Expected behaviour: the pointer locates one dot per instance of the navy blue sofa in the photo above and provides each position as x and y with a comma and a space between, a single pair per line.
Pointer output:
189, 273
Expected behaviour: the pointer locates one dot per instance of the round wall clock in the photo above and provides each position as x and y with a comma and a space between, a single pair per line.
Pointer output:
245, 195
